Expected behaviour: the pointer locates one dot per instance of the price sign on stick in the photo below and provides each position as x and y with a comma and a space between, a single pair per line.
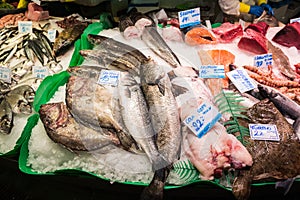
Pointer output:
264, 132
241, 80
189, 17
211, 71
202, 119
5, 74
25, 26
109, 77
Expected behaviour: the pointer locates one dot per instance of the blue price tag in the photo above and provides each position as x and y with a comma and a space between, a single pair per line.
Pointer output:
52, 35
5, 74
25, 26
241, 80
40, 72
263, 61
264, 132
189, 17
203, 119
211, 71
109, 77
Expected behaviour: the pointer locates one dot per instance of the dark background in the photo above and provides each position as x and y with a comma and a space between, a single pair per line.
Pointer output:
15, 185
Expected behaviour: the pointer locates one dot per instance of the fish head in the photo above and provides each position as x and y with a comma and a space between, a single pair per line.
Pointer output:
151, 73
5, 124
266, 92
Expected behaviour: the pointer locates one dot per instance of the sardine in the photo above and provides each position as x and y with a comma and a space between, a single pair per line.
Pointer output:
62, 128
271, 160
157, 44
6, 114
165, 119
134, 109
115, 46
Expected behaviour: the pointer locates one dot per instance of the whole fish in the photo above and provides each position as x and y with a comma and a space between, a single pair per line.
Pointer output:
157, 44
6, 114
62, 128
284, 104
96, 106
137, 120
115, 46
271, 159
268, 19
67, 37
165, 119
124, 62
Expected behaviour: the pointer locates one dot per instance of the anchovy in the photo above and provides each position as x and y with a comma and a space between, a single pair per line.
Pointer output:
157, 44
6, 117
115, 46
11, 54
62, 128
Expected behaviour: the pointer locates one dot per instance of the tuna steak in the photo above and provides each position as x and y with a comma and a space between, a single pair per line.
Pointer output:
228, 32
271, 160
253, 42
261, 27
289, 35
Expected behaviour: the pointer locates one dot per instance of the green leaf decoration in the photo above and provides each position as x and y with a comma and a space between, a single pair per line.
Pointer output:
228, 102
186, 171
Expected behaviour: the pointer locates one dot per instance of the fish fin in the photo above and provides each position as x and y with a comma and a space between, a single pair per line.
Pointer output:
154, 191
296, 126
161, 89
178, 90
171, 75
285, 185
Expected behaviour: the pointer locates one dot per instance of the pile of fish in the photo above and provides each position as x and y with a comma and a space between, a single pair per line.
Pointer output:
14, 101
97, 115
19, 52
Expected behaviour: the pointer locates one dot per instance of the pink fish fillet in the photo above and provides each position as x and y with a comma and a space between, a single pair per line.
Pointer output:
216, 151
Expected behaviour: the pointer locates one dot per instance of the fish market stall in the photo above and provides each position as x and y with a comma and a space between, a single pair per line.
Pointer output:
163, 110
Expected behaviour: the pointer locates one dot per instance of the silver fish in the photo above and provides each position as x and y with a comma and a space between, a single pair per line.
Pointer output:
6, 114
137, 120
157, 44
110, 59
115, 46
165, 119
62, 128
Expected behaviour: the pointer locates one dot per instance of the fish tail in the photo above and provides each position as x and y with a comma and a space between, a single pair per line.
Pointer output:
154, 191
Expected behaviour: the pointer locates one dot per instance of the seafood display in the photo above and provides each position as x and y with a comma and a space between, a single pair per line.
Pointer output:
133, 129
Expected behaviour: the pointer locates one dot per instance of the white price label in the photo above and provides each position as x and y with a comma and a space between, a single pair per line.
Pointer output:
52, 35
40, 72
242, 23
263, 61
109, 77
37, 2
264, 132
5, 74
295, 20
25, 26
189, 17
203, 119
241, 80
211, 71
208, 24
